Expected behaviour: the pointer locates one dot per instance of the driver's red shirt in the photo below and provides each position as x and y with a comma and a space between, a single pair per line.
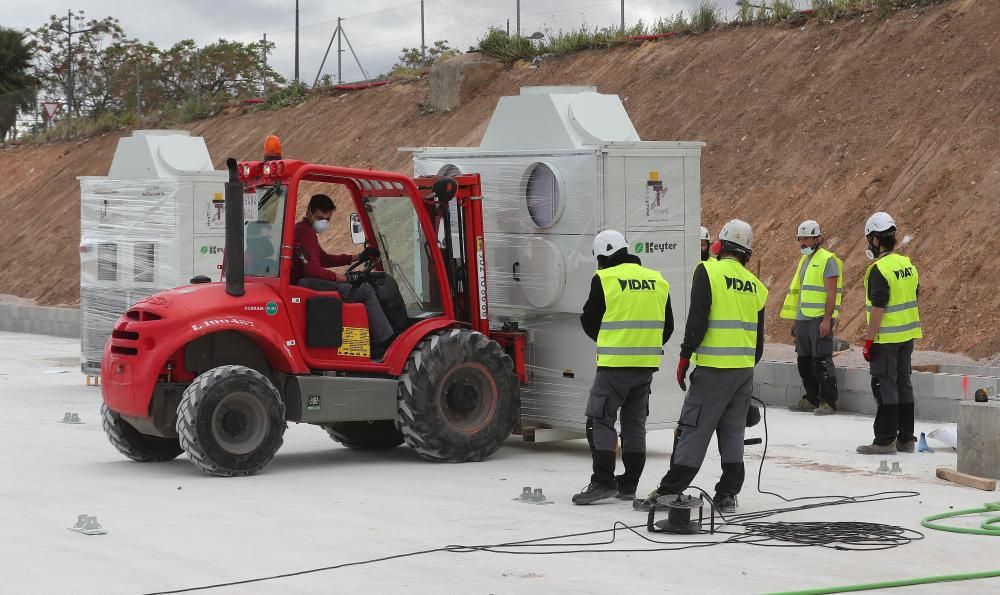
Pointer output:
310, 259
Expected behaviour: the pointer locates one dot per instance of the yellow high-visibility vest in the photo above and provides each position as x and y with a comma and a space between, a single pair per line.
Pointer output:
811, 290
901, 321
737, 297
635, 300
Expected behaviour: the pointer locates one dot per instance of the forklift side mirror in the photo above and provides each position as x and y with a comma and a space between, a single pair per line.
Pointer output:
357, 231
444, 188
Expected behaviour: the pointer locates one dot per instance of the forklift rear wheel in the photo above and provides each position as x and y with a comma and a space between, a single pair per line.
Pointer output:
365, 435
458, 397
134, 444
231, 421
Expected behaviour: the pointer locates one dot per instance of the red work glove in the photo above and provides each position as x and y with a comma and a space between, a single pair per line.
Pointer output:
682, 369
868, 350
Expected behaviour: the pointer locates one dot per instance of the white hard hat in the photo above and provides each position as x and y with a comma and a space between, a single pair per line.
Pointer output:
737, 232
878, 223
705, 236
608, 242
808, 229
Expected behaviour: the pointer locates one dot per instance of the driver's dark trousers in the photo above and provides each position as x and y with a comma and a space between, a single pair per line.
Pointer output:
716, 403
381, 330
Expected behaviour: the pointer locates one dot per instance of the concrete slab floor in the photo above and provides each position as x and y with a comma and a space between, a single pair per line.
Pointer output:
319, 504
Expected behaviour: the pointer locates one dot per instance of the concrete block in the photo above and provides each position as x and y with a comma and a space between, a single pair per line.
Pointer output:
765, 392
857, 402
793, 394
858, 379
786, 374
951, 386
770, 394
945, 410
923, 384
948, 385
979, 439
763, 373
986, 371
841, 374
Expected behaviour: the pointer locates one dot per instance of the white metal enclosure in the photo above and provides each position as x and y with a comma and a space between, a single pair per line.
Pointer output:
152, 223
558, 165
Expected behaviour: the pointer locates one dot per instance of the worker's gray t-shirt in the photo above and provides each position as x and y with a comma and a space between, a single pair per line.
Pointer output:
832, 270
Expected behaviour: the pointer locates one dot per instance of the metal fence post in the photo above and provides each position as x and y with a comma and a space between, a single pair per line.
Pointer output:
518, 31
423, 43
197, 74
623, 15
138, 91
296, 41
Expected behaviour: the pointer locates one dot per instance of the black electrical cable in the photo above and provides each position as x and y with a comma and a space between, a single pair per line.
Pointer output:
844, 536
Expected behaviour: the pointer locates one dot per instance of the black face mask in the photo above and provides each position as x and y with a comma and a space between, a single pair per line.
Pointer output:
873, 249
705, 254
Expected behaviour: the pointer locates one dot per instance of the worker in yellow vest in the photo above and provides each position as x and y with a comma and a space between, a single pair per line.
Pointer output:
628, 314
725, 328
891, 288
706, 243
813, 302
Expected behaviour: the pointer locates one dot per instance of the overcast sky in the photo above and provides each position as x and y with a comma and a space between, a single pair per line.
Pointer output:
377, 29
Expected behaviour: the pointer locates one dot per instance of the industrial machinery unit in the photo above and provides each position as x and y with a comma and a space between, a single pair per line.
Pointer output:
154, 222
558, 165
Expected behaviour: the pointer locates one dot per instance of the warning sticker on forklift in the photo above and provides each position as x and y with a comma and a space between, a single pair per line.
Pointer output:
355, 343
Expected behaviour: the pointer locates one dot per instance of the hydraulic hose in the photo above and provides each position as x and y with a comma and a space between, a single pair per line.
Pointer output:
990, 526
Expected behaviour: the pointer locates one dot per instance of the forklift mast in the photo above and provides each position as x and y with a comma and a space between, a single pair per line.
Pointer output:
465, 259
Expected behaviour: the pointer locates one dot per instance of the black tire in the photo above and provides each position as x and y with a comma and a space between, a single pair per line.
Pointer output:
365, 435
134, 444
458, 397
231, 421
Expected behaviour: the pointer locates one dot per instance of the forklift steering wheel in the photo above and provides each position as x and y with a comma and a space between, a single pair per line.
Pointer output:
367, 266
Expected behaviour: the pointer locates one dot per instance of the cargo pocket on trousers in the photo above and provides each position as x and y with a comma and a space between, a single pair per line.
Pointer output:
879, 366
595, 405
689, 415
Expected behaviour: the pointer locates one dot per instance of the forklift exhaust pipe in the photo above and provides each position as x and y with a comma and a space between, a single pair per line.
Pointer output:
234, 231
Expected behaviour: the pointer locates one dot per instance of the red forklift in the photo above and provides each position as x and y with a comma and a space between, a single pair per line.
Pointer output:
217, 369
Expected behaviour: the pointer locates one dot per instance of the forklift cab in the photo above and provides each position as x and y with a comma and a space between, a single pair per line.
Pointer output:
413, 279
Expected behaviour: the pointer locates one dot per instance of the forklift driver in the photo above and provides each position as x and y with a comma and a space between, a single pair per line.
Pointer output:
309, 269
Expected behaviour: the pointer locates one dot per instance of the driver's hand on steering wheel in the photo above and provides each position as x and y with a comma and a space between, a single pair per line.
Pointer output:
369, 252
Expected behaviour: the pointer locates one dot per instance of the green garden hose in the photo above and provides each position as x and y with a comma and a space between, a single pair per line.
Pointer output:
990, 526
986, 527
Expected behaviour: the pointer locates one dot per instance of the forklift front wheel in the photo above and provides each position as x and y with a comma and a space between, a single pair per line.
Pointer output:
231, 421
458, 397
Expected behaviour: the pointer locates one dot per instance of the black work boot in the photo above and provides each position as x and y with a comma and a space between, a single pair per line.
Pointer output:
629, 481
726, 504
595, 492
602, 482
626, 489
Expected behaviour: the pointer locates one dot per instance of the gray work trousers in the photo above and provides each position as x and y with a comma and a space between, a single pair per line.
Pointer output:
627, 390
815, 362
381, 330
716, 403
893, 391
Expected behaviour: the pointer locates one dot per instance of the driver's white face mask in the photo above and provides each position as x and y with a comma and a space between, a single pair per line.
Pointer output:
321, 225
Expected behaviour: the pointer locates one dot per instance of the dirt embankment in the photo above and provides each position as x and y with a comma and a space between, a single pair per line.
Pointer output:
830, 122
